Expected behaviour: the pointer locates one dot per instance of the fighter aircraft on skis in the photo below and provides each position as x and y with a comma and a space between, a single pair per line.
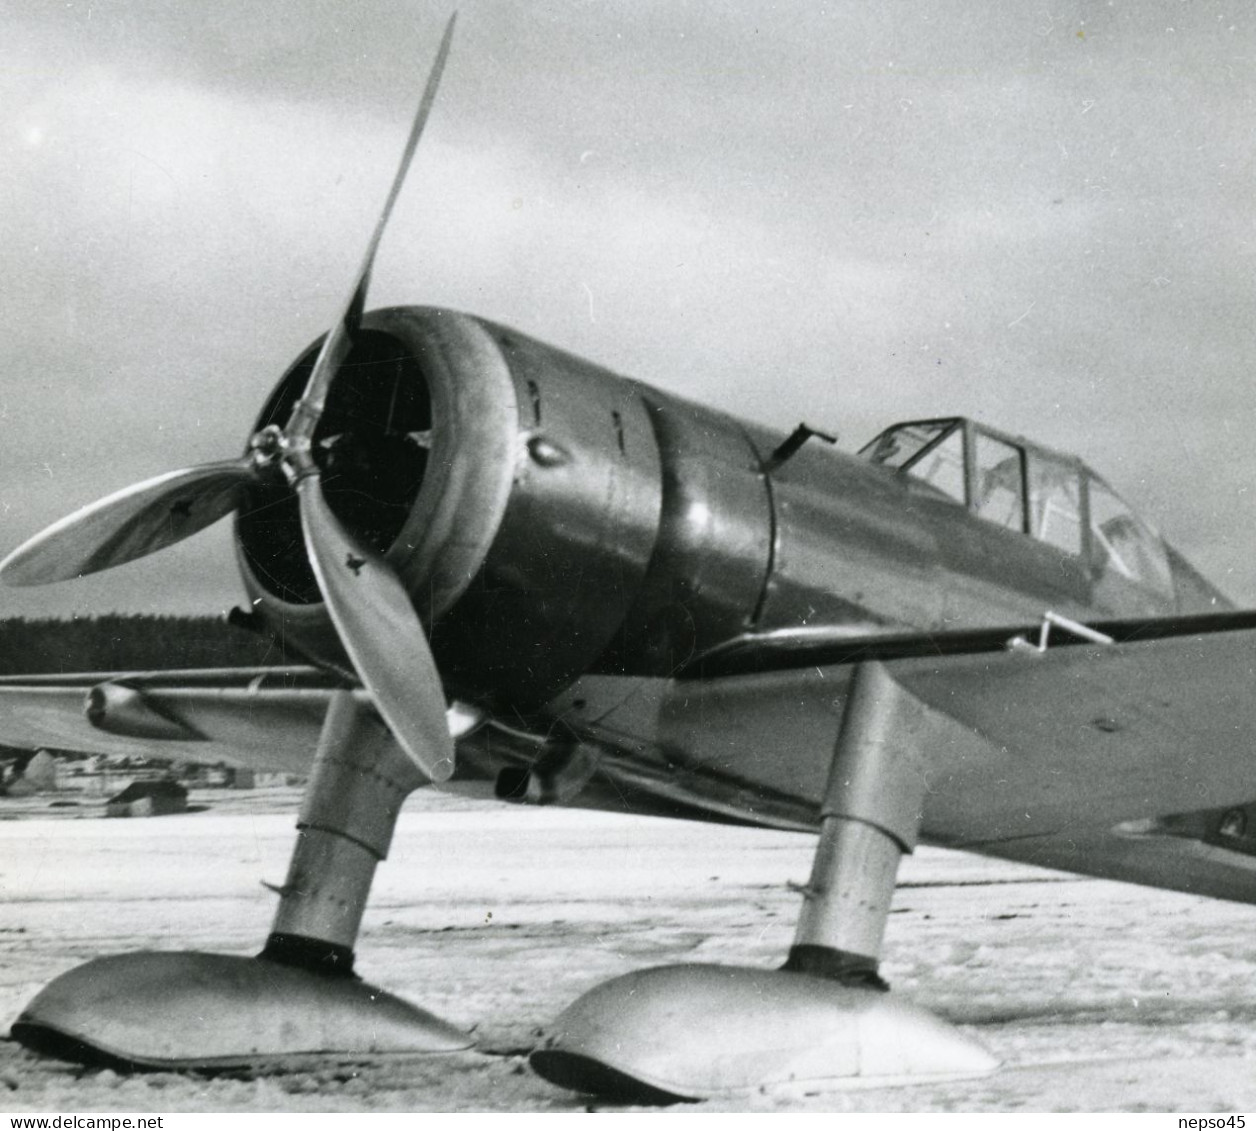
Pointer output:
507, 564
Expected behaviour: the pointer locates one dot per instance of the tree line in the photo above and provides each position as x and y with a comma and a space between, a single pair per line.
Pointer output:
117, 642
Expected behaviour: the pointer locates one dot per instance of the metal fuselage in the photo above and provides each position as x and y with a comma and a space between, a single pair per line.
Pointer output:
574, 540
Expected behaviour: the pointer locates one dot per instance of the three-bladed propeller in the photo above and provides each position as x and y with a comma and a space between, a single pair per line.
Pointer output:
368, 604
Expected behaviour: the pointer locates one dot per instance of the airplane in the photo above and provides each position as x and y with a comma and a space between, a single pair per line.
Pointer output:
510, 567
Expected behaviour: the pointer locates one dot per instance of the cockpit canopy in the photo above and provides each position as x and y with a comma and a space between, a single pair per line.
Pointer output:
1052, 497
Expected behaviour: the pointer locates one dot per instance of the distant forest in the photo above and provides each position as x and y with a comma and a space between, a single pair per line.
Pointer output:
131, 643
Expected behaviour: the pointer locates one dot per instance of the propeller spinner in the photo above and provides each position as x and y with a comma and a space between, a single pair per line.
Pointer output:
369, 606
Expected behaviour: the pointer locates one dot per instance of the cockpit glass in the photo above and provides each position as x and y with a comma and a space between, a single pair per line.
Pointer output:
942, 466
1055, 512
1000, 483
899, 446
1123, 546
1029, 490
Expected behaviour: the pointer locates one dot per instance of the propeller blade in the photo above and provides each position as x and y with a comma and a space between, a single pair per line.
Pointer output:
339, 339
381, 632
368, 604
130, 523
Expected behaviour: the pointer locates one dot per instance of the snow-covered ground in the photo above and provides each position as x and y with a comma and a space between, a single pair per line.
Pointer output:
1097, 996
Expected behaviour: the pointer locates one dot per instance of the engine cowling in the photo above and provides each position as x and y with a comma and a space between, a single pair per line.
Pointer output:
521, 495
417, 448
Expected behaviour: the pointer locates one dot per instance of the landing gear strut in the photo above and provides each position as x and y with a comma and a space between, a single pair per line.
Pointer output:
186, 1009
697, 1031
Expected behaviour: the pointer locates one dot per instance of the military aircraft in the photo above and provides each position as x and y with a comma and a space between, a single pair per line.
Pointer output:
508, 565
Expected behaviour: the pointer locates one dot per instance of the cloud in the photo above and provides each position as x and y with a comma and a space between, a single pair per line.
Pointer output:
837, 212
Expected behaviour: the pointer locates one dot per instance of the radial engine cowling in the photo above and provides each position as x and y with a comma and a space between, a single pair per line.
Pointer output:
515, 489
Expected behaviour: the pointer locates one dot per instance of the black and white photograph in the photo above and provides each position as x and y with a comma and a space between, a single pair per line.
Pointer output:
623, 555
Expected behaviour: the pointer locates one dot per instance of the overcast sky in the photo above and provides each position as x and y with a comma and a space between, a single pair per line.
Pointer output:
1041, 215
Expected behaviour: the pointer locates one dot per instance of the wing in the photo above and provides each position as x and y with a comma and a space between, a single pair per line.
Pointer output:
266, 718
1124, 760
1132, 760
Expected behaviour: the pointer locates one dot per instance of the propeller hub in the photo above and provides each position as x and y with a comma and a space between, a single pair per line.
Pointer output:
266, 447
272, 449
